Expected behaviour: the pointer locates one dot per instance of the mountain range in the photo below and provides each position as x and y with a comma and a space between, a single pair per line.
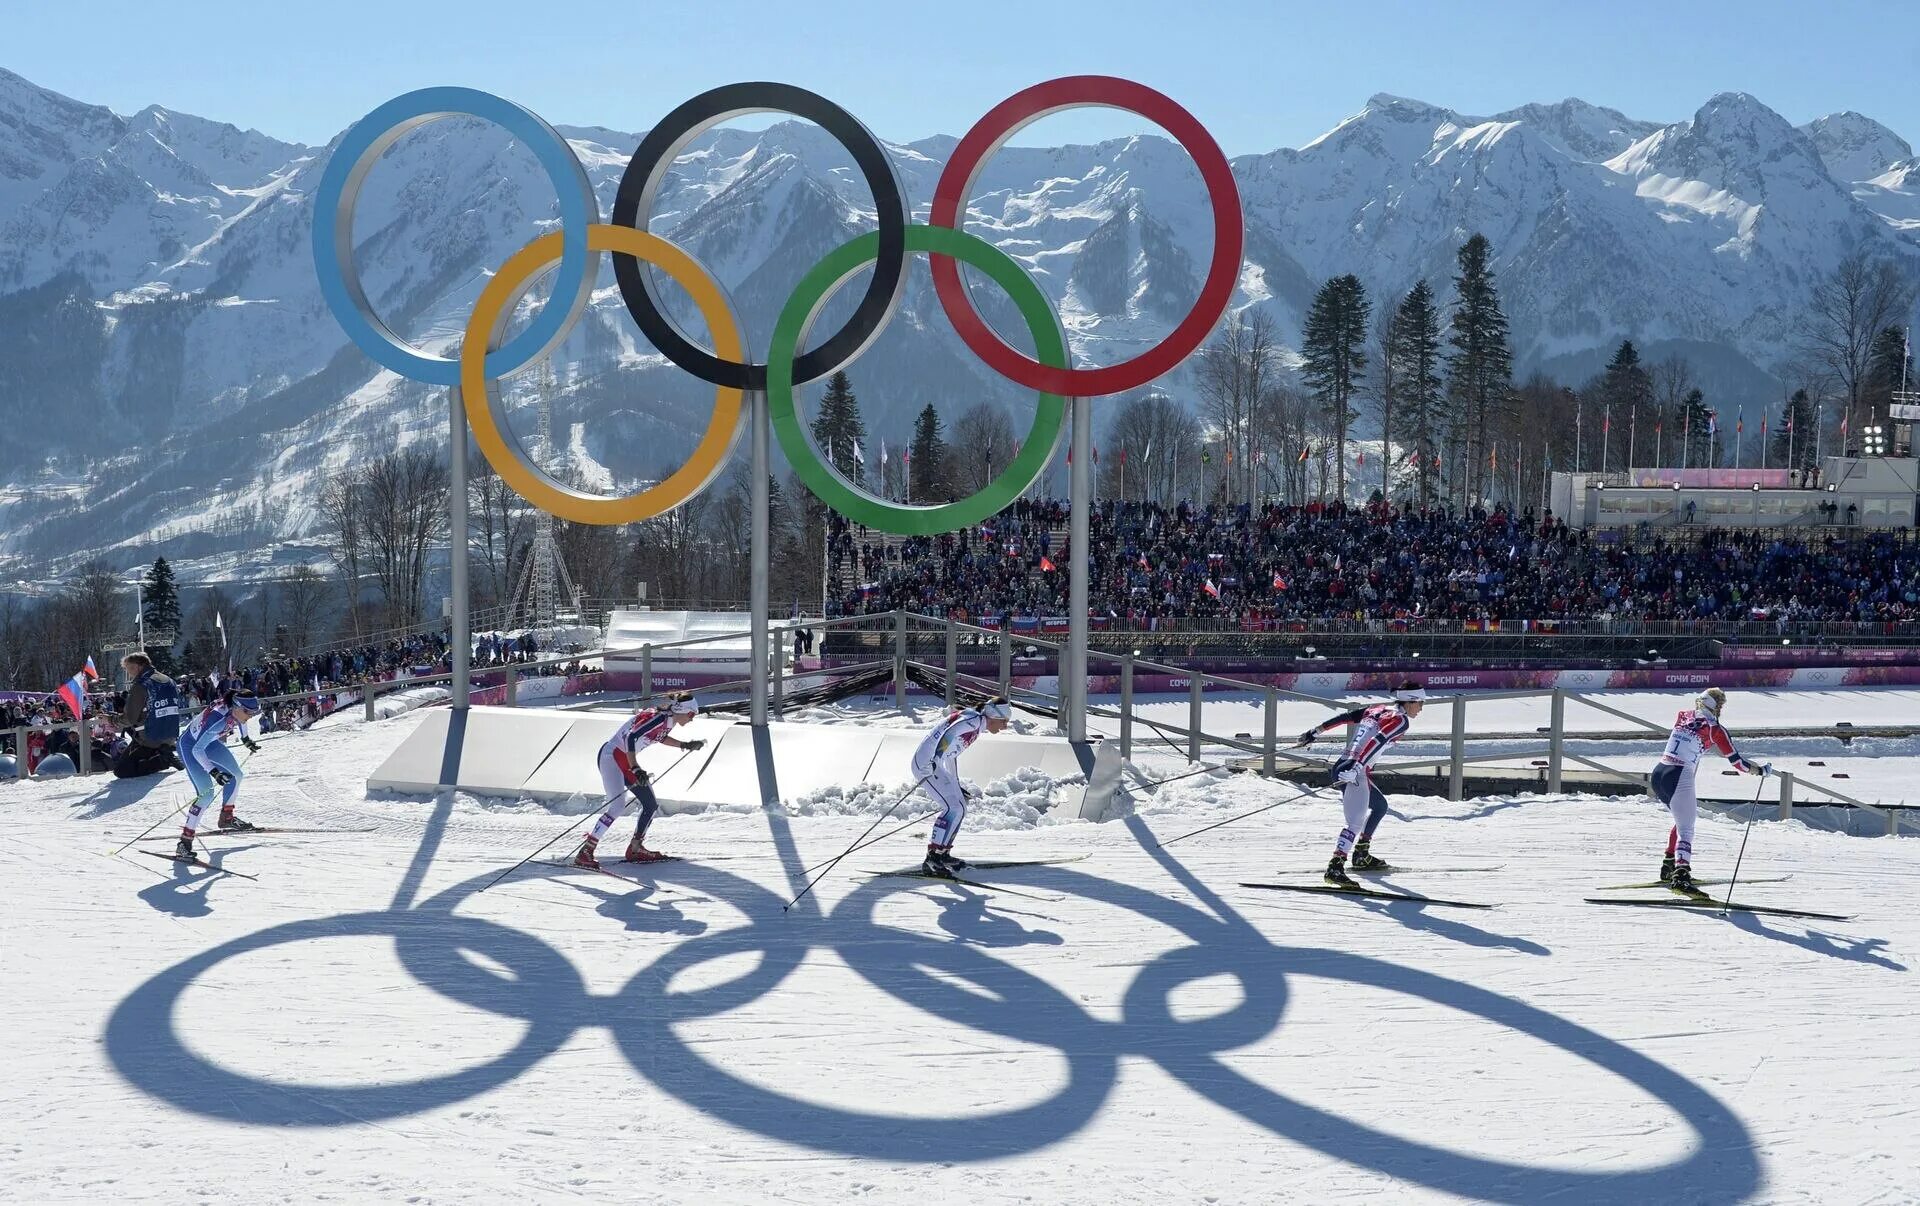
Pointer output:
170, 381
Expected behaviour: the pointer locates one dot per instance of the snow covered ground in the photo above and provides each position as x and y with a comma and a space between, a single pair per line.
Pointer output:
365, 1023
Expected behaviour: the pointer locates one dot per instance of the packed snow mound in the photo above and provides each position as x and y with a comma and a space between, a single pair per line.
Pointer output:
1025, 799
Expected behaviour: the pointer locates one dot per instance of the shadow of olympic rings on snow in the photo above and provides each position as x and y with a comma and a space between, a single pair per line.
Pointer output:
513, 974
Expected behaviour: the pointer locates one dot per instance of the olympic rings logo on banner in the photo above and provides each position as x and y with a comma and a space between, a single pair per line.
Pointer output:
486, 356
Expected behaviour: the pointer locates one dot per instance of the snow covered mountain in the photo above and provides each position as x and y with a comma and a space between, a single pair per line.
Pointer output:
161, 333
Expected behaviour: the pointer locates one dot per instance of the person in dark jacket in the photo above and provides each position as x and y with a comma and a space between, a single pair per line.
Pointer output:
151, 720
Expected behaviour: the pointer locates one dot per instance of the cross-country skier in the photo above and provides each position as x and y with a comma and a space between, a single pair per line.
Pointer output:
1374, 729
623, 780
210, 764
936, 766
1695, 732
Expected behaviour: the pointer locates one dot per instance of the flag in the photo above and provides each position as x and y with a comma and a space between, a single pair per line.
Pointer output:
1740, 421
74, 691
1763, 424
906, 456
1493, 459
1279, 583
88, 669
1303, 453
1123, 456
859, 456
1606, 421
1046, 566
1210, 588
1713, 423
1096, 454
1148, 455
1789, 422
1229, 456
1143, 563
883, 454
221, 625
1206, 456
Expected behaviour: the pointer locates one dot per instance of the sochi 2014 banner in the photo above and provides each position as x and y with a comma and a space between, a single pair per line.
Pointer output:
1723, 479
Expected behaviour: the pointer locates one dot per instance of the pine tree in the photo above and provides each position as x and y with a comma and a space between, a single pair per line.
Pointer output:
1333, 345
1480, 366
1693, 429
1887, 368
1625, 390
160, 605
838, 429
927, 475
1793, 442
1416, 354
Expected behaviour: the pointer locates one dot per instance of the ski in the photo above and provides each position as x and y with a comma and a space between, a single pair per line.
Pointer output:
955, 879
1373, 893
1030, 862
1751, 879
1697, 903
196, 862
1392, 870
266, 830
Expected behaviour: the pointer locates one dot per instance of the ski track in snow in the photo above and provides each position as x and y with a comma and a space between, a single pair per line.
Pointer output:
1156, 1033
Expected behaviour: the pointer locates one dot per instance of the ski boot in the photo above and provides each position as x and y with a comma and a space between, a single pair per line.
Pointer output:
233, 824
953, 863
584, 858
184, 848
1364, 859
935, 867
1682, 880
1666, 870
636, 853
1337, 872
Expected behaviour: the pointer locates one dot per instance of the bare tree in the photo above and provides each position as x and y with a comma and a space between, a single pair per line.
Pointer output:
502, 533
1386, 385
1864, 294
1235, 371
343, 504
1150, 446
406, 515
981, 445
303, 594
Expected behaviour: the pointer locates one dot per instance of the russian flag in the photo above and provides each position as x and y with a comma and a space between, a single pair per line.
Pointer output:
74, 691
1046, 566
88, 670
1210, 588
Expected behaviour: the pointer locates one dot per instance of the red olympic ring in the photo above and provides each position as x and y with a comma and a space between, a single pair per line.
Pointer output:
1005, 120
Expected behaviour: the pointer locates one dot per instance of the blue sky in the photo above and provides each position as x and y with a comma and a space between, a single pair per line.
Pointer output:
1259, 75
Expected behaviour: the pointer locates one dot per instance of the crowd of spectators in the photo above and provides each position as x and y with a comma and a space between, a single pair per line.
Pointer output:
1379, 562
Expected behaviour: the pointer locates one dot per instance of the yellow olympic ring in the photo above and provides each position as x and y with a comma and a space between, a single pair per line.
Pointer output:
487, 327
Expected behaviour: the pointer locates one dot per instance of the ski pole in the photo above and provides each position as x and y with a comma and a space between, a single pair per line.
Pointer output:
835, 861
570, 828
876, 841
1243, 816
1727, 903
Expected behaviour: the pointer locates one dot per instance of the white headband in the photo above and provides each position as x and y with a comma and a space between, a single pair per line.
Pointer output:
1410, 695
994, 709
684, 707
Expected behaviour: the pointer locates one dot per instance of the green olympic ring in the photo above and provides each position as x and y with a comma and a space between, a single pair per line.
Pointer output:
821, 477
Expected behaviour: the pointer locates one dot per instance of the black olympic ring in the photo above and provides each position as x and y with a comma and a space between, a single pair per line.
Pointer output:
633, 204
544, 990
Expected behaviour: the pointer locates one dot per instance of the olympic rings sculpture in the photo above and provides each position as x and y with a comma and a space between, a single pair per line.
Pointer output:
486, 356
513, 974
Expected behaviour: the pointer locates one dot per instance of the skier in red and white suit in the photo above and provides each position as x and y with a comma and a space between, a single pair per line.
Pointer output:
623, 780
1695, 733
936, 765
1374, 729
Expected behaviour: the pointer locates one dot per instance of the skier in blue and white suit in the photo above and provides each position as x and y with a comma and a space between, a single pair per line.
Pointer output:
936, 765
211, 765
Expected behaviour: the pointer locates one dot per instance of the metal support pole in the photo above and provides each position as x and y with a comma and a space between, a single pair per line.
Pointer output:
457, 552
1126, 706
952, 661
1457, 771
779, 674
646, 671
1786, 796
1556, 739
900, 660
1193, 719
84, 744
1073, 668
1006, 661
761, 553
1270, 751
513, 687
367, 693
20, 752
